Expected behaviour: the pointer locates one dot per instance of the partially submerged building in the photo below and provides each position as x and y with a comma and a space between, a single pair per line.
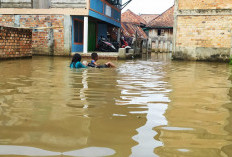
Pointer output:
203, 30
162, 25
62, 27
160, 30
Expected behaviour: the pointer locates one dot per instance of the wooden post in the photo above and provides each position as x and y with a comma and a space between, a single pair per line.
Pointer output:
136, 43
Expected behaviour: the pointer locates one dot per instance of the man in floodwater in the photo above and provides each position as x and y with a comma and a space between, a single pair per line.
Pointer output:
93, 63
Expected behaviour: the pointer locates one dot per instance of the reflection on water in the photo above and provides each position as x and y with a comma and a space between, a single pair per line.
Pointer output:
145, 91
154, 107
30, 151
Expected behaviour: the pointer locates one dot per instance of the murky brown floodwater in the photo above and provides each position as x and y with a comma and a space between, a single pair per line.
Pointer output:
148, 108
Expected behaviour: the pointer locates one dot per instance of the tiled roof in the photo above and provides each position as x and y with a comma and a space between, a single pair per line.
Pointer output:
130, 17
131, 24
129, 30
149, 17
164, 20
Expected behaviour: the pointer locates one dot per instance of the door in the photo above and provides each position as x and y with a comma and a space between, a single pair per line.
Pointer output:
92, 36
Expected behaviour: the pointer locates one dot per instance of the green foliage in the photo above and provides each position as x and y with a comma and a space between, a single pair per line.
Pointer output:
230, 60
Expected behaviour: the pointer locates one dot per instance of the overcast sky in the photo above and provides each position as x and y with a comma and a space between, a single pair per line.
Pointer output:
148, 6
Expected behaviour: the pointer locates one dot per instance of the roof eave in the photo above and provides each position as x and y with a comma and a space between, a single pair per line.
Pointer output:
159, 27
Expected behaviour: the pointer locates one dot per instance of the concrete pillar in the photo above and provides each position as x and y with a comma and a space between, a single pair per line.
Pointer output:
156, 45
161, 46
51, 42
122, 53
166, 46
86, 26
67, 34
170, 47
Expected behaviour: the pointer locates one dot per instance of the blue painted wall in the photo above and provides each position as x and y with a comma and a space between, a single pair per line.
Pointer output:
116, 15
76, 47
102, 31
104, 18
98, 11
96, 5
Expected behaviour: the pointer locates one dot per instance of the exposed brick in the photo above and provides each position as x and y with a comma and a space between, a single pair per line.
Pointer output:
9, 47
40, 38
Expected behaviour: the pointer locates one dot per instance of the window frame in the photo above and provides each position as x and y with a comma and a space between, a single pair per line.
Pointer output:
82, 23
162, 32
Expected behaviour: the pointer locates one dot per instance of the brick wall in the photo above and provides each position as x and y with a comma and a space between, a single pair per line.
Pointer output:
203, 30
7, 20
15, 43
204, 4
47, 41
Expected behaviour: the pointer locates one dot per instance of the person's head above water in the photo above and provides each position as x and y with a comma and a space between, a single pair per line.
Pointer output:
76, 58
94, 56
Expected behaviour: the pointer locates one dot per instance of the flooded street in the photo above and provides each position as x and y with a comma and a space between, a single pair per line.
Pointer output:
143, 108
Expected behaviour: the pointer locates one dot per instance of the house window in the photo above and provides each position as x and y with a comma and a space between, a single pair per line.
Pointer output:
160, 32
108, 10
78, 31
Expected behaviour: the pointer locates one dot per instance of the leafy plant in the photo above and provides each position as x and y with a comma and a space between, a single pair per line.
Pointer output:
230, 60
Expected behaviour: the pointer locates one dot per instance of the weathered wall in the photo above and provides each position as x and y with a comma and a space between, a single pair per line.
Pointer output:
153, 33
47, 41
16, 4
45, 4
204, 34
39, 4
204, 4
161, 43
15, 43
44, 7
68, 3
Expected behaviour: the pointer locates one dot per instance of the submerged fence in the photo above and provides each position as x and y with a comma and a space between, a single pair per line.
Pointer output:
161, 44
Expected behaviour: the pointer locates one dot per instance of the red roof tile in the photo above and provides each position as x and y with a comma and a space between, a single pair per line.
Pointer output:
131, 24
149, 17
129, 30
130, 17
164, 20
